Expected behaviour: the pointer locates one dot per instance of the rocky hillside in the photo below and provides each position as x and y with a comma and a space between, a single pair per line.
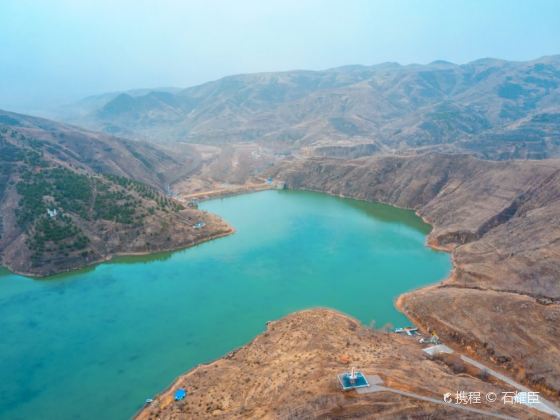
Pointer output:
501, 222
290, 372
494, 108
70, 198
104, 153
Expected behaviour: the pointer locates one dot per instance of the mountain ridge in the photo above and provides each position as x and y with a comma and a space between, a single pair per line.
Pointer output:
488, 107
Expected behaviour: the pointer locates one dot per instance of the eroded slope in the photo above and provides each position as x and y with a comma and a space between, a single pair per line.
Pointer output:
501, 222
64, 206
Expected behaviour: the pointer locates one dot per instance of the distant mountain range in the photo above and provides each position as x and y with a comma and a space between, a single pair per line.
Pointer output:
493, 108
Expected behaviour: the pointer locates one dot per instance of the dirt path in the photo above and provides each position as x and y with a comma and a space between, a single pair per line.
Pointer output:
381, 388
544, 406
222, 192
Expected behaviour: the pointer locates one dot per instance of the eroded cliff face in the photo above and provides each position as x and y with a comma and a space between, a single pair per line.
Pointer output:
500, 221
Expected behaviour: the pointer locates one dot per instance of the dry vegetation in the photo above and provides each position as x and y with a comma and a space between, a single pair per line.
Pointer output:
500, 221
63, 207
290, 372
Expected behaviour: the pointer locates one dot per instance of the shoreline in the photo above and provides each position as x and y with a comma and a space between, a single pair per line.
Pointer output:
202, 196
113, 256
398, 302
467, 349
167, 390
166, 394
225, 192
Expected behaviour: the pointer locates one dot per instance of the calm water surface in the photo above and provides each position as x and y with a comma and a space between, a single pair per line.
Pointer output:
97, 343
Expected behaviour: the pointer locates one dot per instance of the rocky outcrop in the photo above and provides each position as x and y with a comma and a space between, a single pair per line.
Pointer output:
500, 221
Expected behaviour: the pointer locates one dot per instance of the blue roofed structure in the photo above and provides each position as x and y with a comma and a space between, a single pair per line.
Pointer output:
180, 394
352, 380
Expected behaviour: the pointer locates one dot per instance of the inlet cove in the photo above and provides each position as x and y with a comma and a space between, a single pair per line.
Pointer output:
98, 342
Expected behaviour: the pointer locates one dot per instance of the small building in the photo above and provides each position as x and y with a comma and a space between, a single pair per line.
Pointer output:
199, 225
52, 213
437, 349
352, 380
180, 394
407, 331
434, 339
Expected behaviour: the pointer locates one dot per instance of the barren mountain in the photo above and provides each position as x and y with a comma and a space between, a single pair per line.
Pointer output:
100, 152
290, 372
70, 198
500, 221
496, 109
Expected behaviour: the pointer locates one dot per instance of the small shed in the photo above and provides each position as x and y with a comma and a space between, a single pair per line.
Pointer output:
180, 394
352, 380
199, 225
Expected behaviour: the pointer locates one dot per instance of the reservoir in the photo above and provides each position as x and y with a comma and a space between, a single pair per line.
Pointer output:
96, 343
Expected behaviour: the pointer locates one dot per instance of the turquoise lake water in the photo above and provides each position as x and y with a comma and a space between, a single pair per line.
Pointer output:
98, 342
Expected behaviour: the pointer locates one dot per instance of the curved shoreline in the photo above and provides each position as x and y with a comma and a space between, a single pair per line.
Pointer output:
166, 392
193, 370
399, 302
116, 255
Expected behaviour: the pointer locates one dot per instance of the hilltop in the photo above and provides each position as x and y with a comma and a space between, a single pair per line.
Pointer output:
290, 371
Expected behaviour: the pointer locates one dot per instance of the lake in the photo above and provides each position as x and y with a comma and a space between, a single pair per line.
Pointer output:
96, 343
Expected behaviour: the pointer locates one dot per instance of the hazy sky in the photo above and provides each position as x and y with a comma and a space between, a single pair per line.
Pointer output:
54, 51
